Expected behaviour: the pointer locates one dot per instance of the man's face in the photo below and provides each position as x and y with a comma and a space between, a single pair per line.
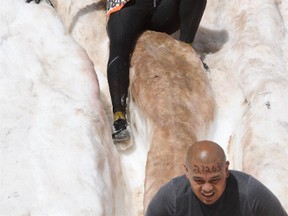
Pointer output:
208, 181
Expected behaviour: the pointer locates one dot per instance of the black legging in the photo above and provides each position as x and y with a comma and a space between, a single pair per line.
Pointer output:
126, 25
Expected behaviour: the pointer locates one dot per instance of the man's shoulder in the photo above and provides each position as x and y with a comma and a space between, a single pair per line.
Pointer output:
180, 181
179, 185
182, 184
238, 181
245, 182
164, 202
240, 176
255, 194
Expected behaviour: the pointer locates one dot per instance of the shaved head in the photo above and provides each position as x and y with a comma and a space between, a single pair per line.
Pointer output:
207, 170
205, 152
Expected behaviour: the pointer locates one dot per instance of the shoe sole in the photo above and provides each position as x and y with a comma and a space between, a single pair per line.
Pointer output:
122, 140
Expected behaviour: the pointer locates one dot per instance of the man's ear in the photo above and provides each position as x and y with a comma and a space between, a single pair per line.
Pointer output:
227, 168
186, 169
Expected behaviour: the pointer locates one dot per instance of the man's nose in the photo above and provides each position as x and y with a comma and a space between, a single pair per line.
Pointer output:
207, 187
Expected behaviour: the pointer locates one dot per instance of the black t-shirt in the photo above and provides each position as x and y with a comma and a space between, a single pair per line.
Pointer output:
243, 196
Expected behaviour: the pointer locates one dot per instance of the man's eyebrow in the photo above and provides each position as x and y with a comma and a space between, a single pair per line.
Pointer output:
215, 177
212, 178
197, 178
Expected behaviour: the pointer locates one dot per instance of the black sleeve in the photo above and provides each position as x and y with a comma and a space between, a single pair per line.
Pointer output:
262, 201
163, 203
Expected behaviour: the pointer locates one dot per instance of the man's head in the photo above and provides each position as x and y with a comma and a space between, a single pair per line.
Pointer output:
207, 170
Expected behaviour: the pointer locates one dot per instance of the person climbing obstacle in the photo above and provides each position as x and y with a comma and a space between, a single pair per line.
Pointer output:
127, 19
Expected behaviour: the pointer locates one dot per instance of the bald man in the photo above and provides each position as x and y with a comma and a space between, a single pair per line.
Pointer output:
209, 188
